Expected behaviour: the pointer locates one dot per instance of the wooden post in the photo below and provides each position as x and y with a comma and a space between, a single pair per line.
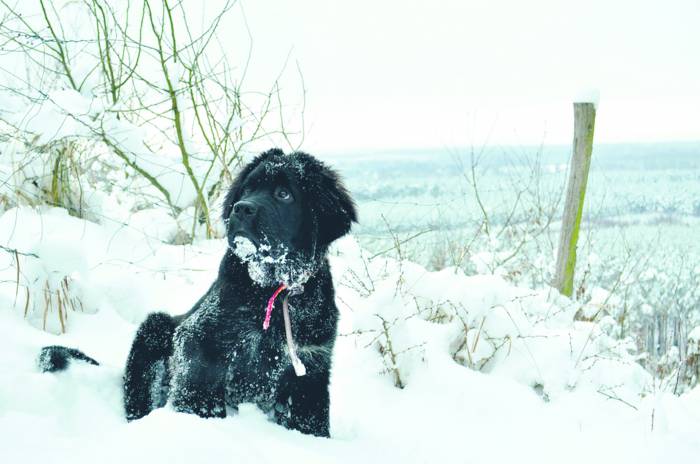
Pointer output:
584, 123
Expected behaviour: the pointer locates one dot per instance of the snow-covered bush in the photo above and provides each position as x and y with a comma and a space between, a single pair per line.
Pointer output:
412, 317
54, 266
128, 105
54, 262
691, 369
54, 285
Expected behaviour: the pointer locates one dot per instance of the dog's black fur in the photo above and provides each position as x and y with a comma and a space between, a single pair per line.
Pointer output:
217, 355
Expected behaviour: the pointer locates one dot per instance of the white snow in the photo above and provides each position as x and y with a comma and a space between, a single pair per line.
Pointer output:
244, 248
491, 372
588, 95
694, 335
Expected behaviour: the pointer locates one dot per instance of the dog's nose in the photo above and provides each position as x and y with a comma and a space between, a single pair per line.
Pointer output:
244, 209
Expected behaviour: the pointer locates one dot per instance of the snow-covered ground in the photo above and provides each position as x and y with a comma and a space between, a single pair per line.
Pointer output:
491, 372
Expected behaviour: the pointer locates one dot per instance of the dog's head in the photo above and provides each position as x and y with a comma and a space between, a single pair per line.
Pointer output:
282, 212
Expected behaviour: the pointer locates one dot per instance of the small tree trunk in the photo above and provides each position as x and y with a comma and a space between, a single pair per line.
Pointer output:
584, 123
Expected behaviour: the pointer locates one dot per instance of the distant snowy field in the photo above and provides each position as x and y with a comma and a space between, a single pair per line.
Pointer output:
491, 372
629, 185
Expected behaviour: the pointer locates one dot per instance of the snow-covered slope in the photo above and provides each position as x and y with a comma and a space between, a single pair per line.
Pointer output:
490, 372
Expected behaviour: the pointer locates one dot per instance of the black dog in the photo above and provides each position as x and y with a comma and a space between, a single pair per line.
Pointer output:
282, 212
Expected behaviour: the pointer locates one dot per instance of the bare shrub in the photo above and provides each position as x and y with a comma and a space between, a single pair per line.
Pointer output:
132, 89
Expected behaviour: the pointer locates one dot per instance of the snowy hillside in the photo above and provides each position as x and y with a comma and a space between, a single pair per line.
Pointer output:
490, 372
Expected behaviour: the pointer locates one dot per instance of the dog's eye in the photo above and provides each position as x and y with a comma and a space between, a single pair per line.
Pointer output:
246, 192
283, 194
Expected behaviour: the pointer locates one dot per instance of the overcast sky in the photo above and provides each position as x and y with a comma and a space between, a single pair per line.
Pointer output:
383, 74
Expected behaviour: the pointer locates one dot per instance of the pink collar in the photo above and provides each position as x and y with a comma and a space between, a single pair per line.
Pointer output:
270, 305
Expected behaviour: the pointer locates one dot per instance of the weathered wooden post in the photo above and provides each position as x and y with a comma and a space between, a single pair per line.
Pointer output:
584, 124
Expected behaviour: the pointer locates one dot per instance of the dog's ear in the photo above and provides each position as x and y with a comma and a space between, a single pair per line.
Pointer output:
234, 192
335, 211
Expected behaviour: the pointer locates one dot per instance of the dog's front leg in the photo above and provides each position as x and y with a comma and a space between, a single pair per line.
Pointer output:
306, 403
197, 384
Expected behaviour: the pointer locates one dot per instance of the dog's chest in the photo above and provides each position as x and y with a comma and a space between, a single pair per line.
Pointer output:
255, 366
